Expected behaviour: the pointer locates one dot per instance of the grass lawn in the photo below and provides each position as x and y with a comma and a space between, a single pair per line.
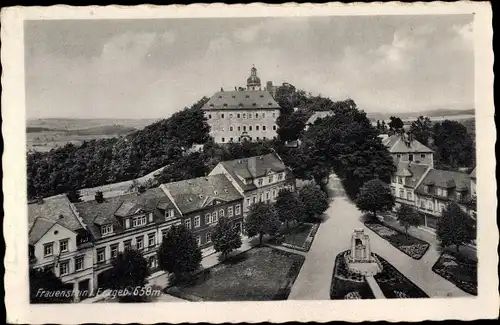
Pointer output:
394, 284
459, 270
411, 246
262, 273
299, 238
348, 285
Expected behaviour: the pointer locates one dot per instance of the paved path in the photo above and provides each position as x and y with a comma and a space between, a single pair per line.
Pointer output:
377, 292
333, 237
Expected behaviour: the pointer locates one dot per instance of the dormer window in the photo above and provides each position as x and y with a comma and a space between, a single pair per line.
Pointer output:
215, 192
211, 105
225, 105
261, 96
260, 181
201, 196
169, 214
139, 221
107, 229
220, 97
240, 105
254, 104
270, 104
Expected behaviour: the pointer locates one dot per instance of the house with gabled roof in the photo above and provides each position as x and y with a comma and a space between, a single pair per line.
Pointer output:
136, 220
202, 201
60, 241
440, 187
404, 148
405, 180
258, 178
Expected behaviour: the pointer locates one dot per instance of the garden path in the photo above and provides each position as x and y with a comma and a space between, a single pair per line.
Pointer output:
377, 292
333, 237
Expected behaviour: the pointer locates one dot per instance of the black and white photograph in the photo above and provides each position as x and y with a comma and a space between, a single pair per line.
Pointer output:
232, 158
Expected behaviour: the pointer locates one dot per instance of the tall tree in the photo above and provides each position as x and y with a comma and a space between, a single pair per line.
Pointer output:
375, 196
129, 270
407, 217
188, 166
43, 284
421, 129
314, 200
289, 207
225, 237
74, 195
454, 147
395, 124
454, 227
261, 220
293, 127
179, 252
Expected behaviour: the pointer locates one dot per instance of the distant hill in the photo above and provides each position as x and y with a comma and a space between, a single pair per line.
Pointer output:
428, 113
60, 124
96, 130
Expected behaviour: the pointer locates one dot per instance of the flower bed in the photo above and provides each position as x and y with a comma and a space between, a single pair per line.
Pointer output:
459, 270
348, 285
299, 238
411, 246
262, 273
394, 284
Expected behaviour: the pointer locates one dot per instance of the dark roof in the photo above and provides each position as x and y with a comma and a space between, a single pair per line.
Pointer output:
113, 209
42, 216
244, 99
396, 144
412, 171
197, 193
446, 179
253, 167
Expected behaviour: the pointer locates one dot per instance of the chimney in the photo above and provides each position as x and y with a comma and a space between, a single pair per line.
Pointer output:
235, 88
221, 89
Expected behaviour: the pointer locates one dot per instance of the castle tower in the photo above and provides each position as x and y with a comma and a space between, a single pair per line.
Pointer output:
253, 82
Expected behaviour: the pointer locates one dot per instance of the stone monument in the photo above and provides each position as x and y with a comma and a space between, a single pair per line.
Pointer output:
360, 259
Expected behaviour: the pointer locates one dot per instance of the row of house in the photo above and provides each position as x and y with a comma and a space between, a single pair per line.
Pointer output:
78, 240
418, 184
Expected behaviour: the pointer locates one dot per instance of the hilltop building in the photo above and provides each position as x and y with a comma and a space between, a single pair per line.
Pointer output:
243, 114
258, 178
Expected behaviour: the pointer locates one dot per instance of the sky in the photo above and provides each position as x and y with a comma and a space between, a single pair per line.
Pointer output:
153, 68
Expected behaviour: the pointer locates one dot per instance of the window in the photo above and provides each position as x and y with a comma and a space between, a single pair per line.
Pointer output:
257, 129
198, 240
237, 210
260, 181
207, 219
274, 127
222, 115
431, 206
257, 116
101, 255
221, 212
244, 127
274, 114
280, 176
107, 229
400, 179
249, 115
169, 214
422, 203
270, 179
238, 115
114, 250
267, 196
223, 140
401, 193
127, 244
214, 216
79, 263
139, 221
48, 249
239, 128
64, 268
393, 190
263, 115
445, 193
426, 189
263, 128
164, 233
230, 128
231, 139
139, 242
209, 115
422, 156
231, 115
208, 237
275, 193
254, 199
410, 196
249, 128
63, 245
230, 211
197, 221
398, 155
248, 201
151, 240
244, 115
264, 138
187, 223
410, 157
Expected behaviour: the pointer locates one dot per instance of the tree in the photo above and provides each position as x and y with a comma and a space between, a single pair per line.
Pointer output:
129, 270
289, 207
383, 127
453, 145
261, 220
225, 237
43, 285
378, 125
74, 195
421, 129
374, 196
395, 124
179, 252
408, 217
314, 200
293, 127
454, 227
